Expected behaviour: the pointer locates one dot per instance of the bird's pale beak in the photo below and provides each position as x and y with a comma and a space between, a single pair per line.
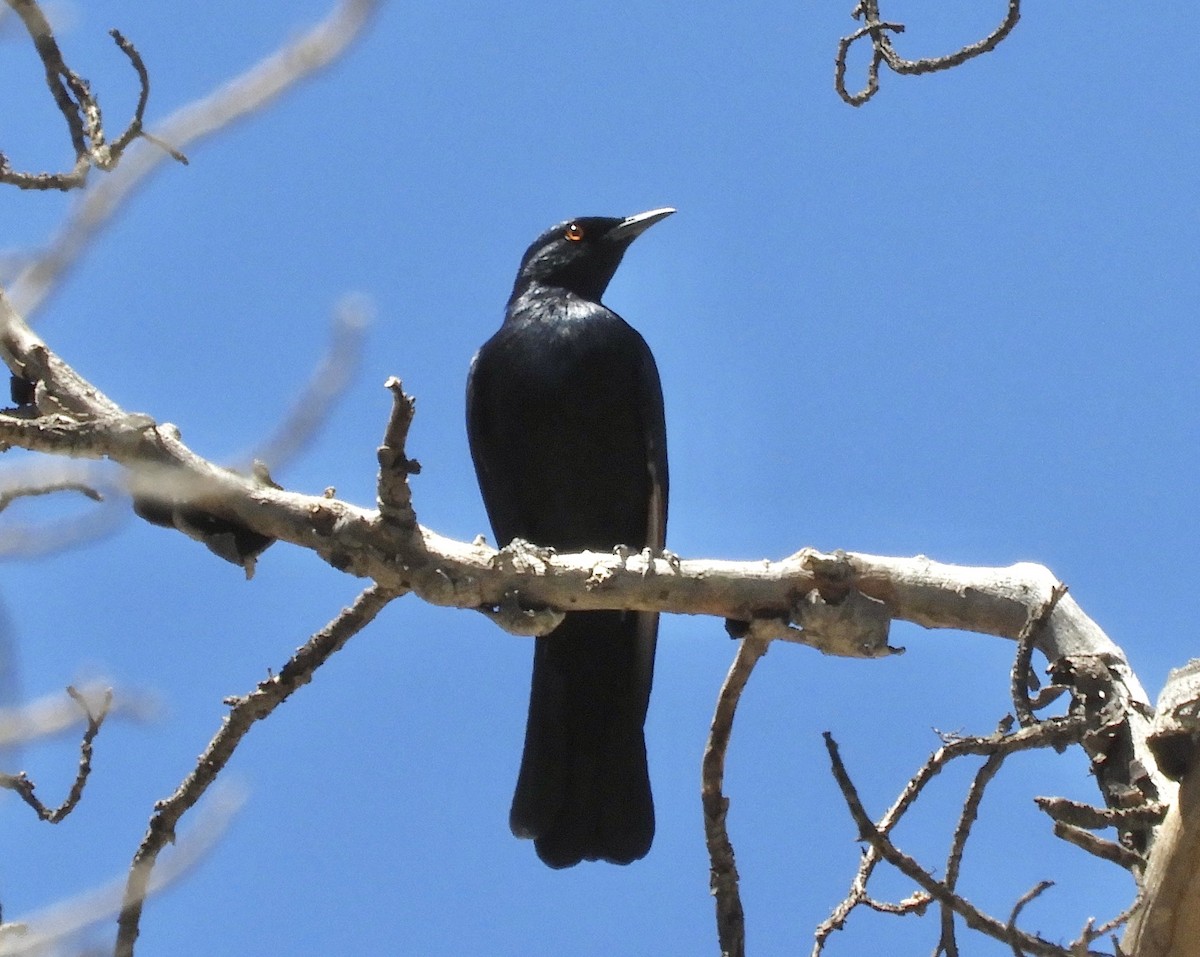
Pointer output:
633, 226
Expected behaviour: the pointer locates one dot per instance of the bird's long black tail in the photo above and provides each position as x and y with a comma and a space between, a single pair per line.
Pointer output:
583, 792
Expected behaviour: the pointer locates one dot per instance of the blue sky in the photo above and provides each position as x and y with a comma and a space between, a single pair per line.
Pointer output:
958, 322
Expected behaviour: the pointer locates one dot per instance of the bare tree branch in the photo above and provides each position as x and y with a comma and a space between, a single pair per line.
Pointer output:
78, 106
882, 51
25, 788
470, 575
972, 915
25, 540
1053, 732
1034, 892
245, 712
1097, 818
241, 97
1105, 850
723, 875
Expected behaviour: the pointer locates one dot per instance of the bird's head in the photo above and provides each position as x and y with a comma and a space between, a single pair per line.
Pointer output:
582, 255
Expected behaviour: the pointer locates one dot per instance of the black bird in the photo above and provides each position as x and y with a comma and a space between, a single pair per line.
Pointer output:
565, 420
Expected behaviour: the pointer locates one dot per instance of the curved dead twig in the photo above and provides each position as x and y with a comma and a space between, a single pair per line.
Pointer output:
241, 97
26, 789
78, 106
883, 52
1021, 677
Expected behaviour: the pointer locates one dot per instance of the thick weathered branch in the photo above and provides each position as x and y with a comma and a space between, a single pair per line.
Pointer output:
1167, 922
842, 602
995, 601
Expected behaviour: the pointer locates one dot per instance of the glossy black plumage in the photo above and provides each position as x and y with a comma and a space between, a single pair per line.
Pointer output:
565, 420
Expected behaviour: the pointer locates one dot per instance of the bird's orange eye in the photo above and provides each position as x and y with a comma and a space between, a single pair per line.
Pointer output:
574, 232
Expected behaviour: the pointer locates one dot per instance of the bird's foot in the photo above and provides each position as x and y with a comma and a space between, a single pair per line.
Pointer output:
649, 555
519, 554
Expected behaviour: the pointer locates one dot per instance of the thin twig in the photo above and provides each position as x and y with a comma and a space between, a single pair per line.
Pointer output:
10, 495
79, 107
25, 788
1091, 932
882, 50
56, 70
244, 714
35, 539
253, 90
969, 814
52, 715
958, 57
1036, 891
844, 45
972, 916
996, 747
134, 129
723, 875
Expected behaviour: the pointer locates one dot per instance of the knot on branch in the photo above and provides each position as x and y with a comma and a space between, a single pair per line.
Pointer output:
1100, 697
854, 627
523, 622
1175, 735
163, 498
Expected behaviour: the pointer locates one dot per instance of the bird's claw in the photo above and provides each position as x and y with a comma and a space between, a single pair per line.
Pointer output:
519, 554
